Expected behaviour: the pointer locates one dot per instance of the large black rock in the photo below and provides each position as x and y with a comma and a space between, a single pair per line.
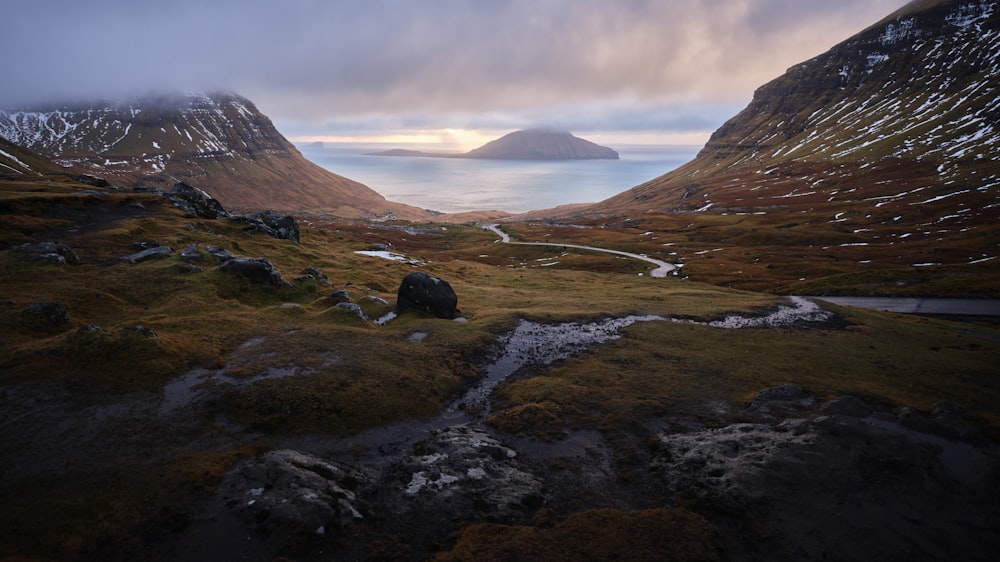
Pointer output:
420, 291
257, 270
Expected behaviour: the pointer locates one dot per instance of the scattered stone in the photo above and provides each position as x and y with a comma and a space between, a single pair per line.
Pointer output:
219, 253
350, 306
47, 315
154, 253
421, 291
257, 270
197, 201
272, 224
192, 253
52, 252
287, 492
90, 329
377, 300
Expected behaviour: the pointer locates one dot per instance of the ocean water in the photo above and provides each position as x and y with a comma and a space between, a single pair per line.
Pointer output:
452, 185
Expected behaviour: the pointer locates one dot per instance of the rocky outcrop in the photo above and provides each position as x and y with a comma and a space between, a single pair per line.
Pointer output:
893, 482
421, 291
272, 224
197, 201
461, 473
287, 492
258, 270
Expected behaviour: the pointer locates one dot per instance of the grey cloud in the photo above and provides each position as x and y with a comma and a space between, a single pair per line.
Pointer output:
324, 61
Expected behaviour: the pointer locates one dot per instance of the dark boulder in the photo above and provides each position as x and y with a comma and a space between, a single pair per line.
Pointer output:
421, 291
47, 315
257, 270
197, 201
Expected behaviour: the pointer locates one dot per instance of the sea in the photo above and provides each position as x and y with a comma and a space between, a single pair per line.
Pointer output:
454, 185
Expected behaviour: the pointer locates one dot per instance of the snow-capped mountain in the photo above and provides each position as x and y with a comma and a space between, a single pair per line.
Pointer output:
220, 142
906, 114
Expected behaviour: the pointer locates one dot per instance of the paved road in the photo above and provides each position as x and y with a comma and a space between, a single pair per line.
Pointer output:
662, 268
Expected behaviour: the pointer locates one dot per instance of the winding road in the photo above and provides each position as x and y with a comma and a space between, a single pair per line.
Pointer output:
662, 268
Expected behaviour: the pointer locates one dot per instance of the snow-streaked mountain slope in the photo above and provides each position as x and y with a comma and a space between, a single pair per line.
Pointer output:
901, 120
220, 142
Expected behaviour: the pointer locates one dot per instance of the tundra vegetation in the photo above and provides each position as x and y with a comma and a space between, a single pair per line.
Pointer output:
96, 459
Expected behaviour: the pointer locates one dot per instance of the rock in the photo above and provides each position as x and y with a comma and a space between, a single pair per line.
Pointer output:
257, 270
192, 253
219, 253
886, 486
197, 201
420, 291
351, 307
155, 253
53, 252
47, 315
140, 330
781, 401
272, 224
287, 492
340, 295
460, 473
377, 300
317, 274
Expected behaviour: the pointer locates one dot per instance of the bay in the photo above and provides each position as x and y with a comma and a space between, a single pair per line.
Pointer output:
453, 185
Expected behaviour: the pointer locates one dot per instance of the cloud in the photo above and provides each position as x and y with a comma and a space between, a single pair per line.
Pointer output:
629, 63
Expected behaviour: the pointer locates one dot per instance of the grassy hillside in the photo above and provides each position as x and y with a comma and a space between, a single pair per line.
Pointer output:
97, 454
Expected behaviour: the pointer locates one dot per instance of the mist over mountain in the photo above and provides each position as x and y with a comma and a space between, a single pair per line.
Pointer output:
899, 123
220, 142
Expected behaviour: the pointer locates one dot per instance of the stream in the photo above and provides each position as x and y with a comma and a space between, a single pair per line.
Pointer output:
534, 344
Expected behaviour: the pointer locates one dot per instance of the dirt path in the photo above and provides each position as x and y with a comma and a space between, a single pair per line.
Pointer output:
662, 268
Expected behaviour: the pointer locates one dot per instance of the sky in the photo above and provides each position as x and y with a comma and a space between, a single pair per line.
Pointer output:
450, 73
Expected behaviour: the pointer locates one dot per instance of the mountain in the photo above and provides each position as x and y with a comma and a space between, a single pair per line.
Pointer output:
219, 142
898, 124
531, 144
16, 161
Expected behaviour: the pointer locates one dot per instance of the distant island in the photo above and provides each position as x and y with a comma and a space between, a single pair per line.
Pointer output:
530, 144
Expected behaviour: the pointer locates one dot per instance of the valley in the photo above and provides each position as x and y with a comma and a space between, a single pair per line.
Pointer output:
107, 460
212, 348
